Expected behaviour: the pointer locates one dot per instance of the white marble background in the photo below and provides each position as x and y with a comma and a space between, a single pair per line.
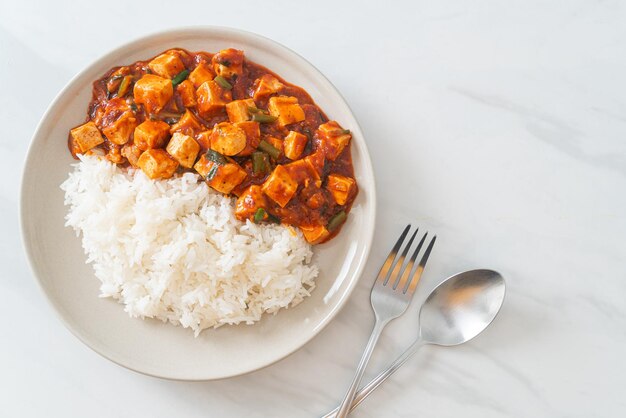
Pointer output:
499, 125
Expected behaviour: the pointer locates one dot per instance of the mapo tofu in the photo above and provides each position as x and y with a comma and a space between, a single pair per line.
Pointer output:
244, 130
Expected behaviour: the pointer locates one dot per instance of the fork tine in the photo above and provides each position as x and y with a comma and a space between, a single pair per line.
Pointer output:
400, 262
384, 270
409, 266
410, 287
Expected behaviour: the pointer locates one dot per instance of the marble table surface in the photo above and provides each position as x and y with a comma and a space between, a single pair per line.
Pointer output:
501, 126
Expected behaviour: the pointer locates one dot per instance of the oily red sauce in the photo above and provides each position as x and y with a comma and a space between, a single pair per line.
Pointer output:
299, 211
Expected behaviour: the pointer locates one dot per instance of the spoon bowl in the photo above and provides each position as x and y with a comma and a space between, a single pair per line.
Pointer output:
461, 307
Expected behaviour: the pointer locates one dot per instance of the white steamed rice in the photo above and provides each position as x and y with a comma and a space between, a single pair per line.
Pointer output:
173, 250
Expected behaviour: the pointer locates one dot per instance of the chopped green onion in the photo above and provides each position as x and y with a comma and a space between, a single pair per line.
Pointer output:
168, 117
260, 115
225, 63
260, 163
180, 77
344, 131
215, 157
273, 219
113, 83
336, 221
269, 148
212, 172
124, 86
259, 215
223, 83
133, 107
164, 114
263, 118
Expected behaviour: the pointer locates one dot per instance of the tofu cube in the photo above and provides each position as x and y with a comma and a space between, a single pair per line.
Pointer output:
228, 139
167, 65
132, 153
315, 234
201, 74
266, 85
157, 164
316, 161
211, 99
187, 93
340, 187
86, 136
302, 172
75, 149
228, 62
203, 165
228, 177
237, 110
224, 178
151, 134
279, 186
118, 121
188, 124
183, 149
249, 202
253, 136
334, 139
294, 145
153, 92
286, 109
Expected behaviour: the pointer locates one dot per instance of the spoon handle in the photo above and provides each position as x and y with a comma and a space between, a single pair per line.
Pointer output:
344, 408
378, 380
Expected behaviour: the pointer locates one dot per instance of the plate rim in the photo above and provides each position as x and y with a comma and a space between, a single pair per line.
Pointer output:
204, 30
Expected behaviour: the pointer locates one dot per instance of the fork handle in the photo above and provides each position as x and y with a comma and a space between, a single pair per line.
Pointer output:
345, 407
384, 375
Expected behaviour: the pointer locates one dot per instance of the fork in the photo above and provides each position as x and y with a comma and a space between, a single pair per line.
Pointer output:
391, 294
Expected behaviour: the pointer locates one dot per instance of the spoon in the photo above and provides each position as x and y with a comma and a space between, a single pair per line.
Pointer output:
456, 311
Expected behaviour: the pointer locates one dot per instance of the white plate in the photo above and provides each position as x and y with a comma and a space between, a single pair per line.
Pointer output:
149, 346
